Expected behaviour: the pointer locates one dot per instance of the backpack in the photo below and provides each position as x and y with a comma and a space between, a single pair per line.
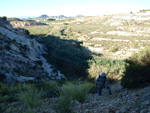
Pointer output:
102, 78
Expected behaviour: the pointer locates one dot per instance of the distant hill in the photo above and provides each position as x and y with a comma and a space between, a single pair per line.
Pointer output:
77, 16
60, 17
43, 16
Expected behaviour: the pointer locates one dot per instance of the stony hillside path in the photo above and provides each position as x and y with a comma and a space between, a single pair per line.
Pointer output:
121, 101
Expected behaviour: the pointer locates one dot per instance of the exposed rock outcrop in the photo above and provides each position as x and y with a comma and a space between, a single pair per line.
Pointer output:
25, 23
21, 57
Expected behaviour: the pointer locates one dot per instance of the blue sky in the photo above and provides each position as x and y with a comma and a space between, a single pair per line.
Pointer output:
18, 8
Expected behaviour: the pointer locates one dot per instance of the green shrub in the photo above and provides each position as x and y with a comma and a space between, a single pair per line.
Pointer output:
50, 88
137, 72
66, 23
136, 76
8, 92
26, 31
67, 55
3, 98
113, 68
77, 91
72, 91
113, 49
4, 17
64, 105
4, 89
140, 58
51, 19
31, 96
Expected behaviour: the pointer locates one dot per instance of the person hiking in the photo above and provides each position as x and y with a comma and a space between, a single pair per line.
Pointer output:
101, 81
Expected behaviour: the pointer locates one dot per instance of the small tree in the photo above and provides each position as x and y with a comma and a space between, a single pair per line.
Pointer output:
131, 12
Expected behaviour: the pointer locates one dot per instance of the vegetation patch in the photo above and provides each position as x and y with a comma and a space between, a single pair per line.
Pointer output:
77, 91
69, 92
113, 68
67, 55
113, 49
31, 96
137, 72
13, 19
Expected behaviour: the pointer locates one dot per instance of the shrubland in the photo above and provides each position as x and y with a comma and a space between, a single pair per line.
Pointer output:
67, 55
31, 95
137, 72
113, 68
72, 59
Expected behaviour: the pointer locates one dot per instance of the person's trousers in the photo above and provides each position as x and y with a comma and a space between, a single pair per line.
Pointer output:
100, 89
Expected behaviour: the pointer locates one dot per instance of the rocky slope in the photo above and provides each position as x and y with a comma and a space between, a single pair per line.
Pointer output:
21, 57
121, 101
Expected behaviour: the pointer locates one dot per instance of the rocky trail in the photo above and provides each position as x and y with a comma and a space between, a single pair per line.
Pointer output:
121, 101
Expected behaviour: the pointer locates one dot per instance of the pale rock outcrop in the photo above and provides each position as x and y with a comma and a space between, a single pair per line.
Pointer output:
25, 23
21, 57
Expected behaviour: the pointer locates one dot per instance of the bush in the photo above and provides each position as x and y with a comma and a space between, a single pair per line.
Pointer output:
31, 97
137, 72
51, 19
66, 23
77, 91
72, 91
67, 55
64, 105
3, 98
8, 92
113, 49
140, 58
50, 88
4, 17
113, 68
4, 89
26, 31
136, 76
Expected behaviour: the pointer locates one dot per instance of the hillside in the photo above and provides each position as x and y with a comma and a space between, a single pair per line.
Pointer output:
78, 48
21, 57
25, 23
109, 39
113, 36
116, 36
121, 101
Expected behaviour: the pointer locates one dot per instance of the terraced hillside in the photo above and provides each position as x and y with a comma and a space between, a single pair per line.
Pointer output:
116, 36
112, 36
